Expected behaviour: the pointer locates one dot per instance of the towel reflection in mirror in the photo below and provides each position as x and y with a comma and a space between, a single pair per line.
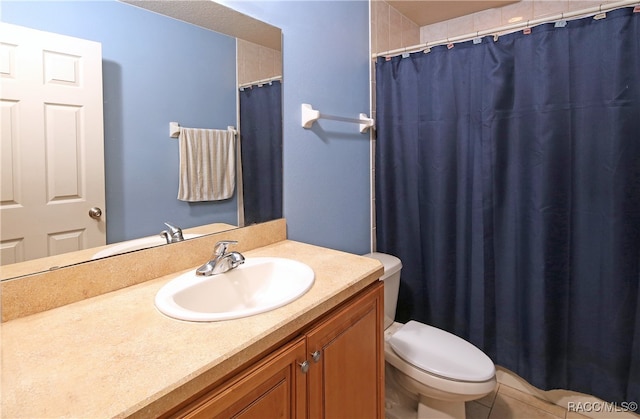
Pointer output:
207, 164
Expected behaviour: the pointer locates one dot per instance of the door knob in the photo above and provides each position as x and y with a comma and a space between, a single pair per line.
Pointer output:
95, 213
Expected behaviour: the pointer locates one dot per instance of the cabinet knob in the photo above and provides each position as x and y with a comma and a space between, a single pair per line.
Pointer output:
316, 356
304, 366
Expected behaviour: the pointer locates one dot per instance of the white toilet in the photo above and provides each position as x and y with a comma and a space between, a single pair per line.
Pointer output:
430, 373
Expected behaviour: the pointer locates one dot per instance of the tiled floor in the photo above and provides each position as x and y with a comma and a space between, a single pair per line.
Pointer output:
508, 403
505, 402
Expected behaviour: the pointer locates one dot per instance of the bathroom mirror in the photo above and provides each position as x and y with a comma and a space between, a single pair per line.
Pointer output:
150, 79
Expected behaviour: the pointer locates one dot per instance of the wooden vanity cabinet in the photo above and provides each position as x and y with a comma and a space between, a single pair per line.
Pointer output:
346, 377
276, 387
334, 369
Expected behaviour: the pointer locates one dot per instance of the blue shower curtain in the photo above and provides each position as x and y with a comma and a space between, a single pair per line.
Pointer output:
261, 143
508, 183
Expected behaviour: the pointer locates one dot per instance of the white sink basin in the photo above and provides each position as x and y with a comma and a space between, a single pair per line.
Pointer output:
258, 285
137, 244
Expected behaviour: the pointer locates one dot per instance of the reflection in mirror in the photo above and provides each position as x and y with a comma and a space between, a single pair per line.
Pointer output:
261, 128
157, 69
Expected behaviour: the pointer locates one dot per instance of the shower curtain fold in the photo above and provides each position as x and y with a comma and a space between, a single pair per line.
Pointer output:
508, 182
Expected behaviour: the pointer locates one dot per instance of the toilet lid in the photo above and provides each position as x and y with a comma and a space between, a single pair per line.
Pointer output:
441, 353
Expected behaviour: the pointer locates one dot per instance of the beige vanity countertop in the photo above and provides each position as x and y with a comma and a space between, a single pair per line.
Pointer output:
115, 355
65, 259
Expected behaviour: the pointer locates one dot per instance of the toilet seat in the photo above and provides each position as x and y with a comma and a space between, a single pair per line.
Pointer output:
441, 353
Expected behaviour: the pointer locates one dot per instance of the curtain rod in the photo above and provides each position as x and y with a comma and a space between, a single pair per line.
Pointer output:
511, 28
263, 81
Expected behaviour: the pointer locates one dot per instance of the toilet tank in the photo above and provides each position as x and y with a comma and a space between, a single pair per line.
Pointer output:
391, 277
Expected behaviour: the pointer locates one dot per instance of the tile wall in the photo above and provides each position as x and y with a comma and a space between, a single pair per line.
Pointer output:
256, 62
390, 29
501, 16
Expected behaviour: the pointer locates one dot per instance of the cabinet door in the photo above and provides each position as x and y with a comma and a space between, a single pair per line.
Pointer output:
275, 388
347, 378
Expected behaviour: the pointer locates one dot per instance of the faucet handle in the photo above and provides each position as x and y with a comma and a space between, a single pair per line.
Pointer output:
221, 247
173, 229
173, 235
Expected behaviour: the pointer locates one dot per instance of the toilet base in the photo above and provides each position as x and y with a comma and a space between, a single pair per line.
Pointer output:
425, 402
403, 402
399, 403
429, 408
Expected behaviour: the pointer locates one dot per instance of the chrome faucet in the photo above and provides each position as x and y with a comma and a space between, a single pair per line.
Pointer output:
221, 261
173, 235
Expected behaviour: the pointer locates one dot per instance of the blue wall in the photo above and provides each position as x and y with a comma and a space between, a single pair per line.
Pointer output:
155, 70
326, 169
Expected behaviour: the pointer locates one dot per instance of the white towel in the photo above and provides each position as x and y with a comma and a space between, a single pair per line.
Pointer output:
207, 164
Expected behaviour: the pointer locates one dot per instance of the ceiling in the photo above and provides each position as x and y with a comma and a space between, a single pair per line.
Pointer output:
426, 12
216, 17
219, 18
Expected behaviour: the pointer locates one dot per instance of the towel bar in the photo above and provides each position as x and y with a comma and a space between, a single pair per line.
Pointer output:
310, 115
174, 129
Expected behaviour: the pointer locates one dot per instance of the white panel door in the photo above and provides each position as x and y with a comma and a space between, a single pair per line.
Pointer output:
52, 148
